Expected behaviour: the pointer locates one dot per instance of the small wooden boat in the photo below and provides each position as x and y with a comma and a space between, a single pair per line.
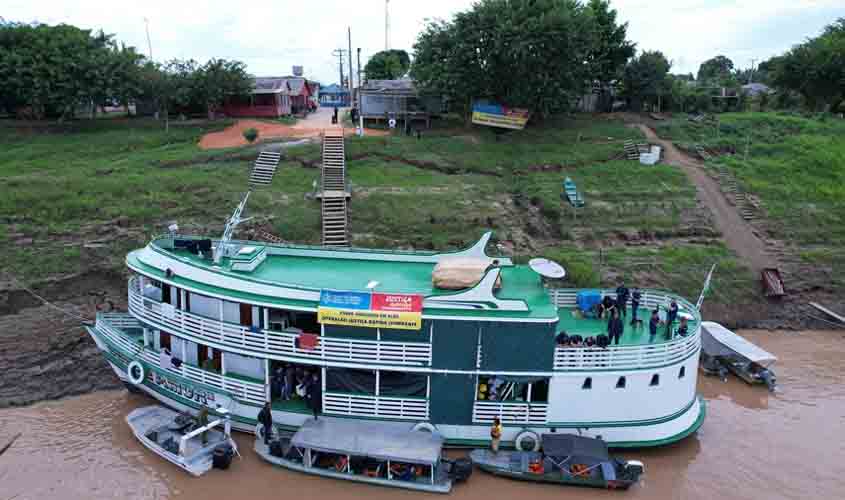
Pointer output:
380, 453
721, 347
177, 438
564, 459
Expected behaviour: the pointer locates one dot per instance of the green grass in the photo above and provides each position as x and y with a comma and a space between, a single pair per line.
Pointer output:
794, 165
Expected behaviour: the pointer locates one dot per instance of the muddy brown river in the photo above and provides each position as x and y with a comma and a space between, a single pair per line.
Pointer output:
786, 445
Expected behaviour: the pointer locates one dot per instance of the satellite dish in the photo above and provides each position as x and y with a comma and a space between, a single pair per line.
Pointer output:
547, 268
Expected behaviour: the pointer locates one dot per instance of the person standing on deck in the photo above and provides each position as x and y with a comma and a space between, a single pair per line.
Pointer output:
314, 394
635, 305
622, 294
495, 435
265, 418
652, 325
202, 421
615, 327
670, 318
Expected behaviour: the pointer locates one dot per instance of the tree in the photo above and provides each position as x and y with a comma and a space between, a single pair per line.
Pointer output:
522, 53
388, 65
645, 79
609, 50
218, 79
815, 69
715, 70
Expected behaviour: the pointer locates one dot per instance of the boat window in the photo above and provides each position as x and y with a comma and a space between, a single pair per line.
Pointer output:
514, 389
163, 341
402, 384
245, 366
683, 372
655, 380
620, 384
351, 381
588, 383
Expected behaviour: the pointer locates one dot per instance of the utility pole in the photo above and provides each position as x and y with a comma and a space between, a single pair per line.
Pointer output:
386, 24
751, 76
339, 53
149, 44
359, 76
351, 78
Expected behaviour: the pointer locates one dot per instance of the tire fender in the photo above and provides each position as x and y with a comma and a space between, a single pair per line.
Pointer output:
522, 436
425, 427
134, 367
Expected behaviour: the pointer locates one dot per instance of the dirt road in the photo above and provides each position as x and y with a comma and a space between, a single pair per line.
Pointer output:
739, 236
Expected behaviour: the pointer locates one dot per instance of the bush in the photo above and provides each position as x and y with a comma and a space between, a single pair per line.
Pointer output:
251, 134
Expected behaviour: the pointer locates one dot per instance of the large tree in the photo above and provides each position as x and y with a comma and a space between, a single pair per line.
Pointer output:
218, 79
715, 70
522, 53
815, 69
609, 50
645, 79
388, 65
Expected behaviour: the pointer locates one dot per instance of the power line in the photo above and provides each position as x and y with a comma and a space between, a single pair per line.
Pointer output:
340, 54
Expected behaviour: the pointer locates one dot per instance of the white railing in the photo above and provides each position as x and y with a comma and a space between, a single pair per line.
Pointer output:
375, 406
265, 342
627, 357
109, 325
483, 412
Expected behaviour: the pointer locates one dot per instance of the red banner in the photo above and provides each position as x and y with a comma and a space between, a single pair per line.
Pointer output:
396, 302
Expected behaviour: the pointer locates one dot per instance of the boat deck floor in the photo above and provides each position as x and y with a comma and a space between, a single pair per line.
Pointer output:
573, 323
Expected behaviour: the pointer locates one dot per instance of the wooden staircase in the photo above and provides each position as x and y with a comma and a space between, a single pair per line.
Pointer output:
334, 196
264, 168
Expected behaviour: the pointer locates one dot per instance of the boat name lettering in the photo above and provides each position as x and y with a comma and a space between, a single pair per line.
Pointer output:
184, 390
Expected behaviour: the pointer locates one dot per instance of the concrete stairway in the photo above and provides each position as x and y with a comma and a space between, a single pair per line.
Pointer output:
264, 168
334, 197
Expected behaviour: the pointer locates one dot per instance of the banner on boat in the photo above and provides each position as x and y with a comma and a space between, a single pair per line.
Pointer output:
370, 310
496, 115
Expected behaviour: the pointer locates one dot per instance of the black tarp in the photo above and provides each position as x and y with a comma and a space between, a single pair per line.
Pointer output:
350, 332
512, 346
402, 384
349, 380
455, 344
570, 445
452, 398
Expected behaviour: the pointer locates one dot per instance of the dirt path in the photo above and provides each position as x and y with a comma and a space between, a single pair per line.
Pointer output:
738, 234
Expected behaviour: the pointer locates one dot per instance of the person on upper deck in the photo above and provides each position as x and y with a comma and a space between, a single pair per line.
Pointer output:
671, 316
607, 304
683, 329
622, 294
615, 327
653, 323
636, 296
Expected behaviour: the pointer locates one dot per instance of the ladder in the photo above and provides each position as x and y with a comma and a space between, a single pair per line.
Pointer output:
264, 168
334, 196
632, 152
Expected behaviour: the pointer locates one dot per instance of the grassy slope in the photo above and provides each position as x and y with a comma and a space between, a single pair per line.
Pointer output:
60, 183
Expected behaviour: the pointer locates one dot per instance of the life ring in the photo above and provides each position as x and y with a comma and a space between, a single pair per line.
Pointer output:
425, 427
135, 373
520, 444
259, 431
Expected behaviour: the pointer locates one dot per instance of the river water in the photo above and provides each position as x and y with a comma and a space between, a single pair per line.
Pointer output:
753, 444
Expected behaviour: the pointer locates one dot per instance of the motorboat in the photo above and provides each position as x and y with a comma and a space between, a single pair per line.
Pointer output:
564, 459
178, 438
722, 349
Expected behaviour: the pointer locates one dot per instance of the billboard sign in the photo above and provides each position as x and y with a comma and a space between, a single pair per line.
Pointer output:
497, 115
370, 310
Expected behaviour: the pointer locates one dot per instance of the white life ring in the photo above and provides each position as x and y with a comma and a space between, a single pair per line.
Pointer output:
519, 442
392, 123
425, 427
131, 370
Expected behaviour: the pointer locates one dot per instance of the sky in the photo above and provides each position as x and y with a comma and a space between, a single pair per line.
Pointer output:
271, 37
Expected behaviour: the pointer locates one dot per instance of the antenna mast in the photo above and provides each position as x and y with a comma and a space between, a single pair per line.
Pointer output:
386, 24
223, 245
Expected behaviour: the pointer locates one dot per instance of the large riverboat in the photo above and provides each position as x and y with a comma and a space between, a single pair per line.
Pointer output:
212, 323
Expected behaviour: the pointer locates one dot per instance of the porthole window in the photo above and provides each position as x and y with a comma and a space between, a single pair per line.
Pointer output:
620, 384
655, 380
683, 372
588, 383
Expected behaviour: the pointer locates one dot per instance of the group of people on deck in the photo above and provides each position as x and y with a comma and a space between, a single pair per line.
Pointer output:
614, 309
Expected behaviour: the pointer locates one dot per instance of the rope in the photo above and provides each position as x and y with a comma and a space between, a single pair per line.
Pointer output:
48, 303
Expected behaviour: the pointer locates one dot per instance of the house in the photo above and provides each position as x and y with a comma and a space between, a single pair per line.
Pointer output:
334, 96
299, 93
270, 98
397, 99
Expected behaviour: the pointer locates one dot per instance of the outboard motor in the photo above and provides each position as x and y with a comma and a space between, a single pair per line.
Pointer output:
222, 456
769, 378
459, 469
